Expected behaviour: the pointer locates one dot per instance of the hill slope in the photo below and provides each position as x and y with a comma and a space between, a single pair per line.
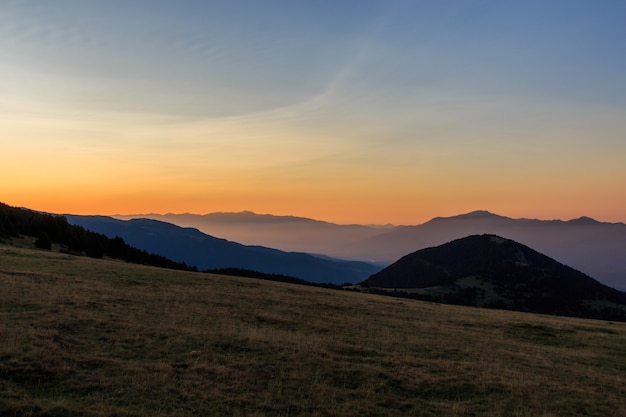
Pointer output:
207, 252
48, 228
596, 248
487, 270
288, 233
91, 337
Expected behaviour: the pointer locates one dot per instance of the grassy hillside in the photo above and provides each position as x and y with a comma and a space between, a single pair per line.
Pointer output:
92, 337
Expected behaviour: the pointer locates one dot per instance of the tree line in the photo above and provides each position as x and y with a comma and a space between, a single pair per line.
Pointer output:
48, 228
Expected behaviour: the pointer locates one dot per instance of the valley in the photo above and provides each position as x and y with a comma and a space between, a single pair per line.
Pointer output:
596, 248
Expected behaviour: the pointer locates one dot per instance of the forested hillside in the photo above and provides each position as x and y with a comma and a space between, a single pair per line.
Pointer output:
49, 229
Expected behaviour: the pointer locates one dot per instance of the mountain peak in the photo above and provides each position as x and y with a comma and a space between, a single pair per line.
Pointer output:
473, 215
583, 221
479, 213
491, 271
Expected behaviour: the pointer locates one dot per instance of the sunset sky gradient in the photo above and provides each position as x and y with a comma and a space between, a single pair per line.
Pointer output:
346, 111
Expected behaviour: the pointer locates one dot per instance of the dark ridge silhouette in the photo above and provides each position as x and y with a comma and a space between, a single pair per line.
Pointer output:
491, 271
239, 272
287, 233
596, 248
49, 228
193, 247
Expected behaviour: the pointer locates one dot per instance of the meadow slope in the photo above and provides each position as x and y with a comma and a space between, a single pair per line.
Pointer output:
89, 337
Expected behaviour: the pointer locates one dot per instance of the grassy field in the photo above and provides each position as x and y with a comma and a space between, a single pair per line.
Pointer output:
86, 337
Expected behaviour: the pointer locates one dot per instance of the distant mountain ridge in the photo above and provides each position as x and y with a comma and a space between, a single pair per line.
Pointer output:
195, 248
491, 271
288, 233
596, 248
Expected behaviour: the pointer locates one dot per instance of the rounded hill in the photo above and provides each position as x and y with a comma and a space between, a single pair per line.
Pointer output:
491, 271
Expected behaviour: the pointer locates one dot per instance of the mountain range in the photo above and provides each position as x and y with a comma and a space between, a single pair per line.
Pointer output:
490, 271
207, 252
289, 233
595, 248
478, 270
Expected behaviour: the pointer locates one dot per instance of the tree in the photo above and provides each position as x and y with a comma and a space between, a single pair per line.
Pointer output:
43, 242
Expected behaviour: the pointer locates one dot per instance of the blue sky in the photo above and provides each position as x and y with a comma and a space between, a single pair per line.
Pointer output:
312, 108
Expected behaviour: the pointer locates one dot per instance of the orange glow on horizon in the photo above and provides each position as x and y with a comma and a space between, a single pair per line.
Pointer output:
380, 119
349, 210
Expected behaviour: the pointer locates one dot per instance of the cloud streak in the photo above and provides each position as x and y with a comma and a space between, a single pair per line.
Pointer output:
319, 107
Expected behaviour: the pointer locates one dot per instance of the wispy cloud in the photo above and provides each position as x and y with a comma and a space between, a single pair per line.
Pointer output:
397, 98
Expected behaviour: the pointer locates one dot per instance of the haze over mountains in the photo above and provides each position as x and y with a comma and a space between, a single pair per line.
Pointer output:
595, 248
207, 252
479, 270
290, 233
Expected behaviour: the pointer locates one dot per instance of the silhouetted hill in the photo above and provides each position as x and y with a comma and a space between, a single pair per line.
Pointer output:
490, 271
596, 248
288, 233
207, 252
51, 228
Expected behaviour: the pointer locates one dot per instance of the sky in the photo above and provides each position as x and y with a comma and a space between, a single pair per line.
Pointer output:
345, 111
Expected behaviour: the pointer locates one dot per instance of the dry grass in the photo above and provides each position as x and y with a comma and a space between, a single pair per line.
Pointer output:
90, 337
